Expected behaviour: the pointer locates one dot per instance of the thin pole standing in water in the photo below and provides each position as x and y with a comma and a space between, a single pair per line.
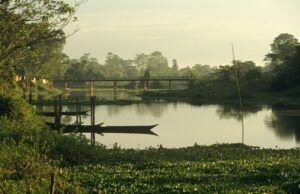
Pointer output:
239, 91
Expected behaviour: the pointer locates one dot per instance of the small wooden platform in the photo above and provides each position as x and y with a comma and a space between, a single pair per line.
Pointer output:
53, 114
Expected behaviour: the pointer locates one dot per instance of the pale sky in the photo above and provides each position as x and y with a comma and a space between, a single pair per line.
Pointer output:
191, 31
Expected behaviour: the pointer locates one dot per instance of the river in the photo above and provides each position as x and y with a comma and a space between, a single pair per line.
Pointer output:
182, 124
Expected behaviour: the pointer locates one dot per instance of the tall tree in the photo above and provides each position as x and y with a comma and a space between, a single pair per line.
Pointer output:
282, 62
25, 23
140, 61
282, 48
157, 64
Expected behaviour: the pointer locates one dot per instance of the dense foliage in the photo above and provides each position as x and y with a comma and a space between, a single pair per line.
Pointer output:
198, 169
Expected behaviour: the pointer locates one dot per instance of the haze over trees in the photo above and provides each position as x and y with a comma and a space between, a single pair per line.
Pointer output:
35, 49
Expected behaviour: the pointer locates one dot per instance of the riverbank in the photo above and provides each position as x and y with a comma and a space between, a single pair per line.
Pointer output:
227, 93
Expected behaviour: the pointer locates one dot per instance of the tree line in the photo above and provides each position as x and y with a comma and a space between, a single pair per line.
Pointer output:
32, 41
281, 70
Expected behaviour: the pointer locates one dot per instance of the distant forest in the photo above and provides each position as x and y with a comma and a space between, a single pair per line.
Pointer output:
47, 61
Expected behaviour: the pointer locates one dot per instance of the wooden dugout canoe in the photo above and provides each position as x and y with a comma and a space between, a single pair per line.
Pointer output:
145, 129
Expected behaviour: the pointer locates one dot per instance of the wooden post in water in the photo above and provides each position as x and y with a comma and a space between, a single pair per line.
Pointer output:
91, 89
56, 111
115, 90
59, 106
59, 110
77, 111
66, 88
145, 85
40, 102
93, 98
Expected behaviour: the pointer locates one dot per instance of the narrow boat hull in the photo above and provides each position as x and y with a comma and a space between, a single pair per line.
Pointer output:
104, 129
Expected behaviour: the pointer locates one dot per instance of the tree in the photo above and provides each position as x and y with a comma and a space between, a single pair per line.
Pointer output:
114, 66
157, 64
283, 64
25, 23
175, 68
225, 73
84, 68
201, 71
185, 72
247, 70
140, 61
282, 48
45, 60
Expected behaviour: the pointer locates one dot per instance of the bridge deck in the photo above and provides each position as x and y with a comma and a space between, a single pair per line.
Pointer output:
126, 79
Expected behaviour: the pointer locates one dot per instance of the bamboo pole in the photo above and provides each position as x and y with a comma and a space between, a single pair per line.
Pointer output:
239, 92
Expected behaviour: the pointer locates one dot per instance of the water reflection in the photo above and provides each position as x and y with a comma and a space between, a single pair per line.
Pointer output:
183, 124
286, 126
228, 111
107, 94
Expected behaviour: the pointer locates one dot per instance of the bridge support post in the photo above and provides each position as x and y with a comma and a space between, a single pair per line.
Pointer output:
170, 85
115, 89
115, 85
91, 89
145, 85
66, 88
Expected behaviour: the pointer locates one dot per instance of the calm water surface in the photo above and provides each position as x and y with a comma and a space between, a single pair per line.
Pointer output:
182, 124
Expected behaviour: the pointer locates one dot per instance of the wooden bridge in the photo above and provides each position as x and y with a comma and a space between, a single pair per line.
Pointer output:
128, 79
115, 81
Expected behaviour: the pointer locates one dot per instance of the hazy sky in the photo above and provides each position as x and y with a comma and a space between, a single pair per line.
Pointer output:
191, 31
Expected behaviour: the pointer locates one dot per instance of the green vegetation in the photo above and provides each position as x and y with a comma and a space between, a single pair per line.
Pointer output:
31, 46
30, 153
278, 79
199, 169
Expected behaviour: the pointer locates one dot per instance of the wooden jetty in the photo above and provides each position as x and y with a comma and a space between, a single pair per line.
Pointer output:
93, 128
99, 129
53, 114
